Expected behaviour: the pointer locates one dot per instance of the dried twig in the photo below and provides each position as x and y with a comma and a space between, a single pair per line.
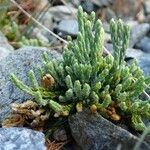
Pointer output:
146, 94
54, 145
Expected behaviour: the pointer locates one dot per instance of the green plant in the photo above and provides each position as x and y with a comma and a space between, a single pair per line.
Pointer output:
85, 78
4, 5
12, 32
30, 42
11, 29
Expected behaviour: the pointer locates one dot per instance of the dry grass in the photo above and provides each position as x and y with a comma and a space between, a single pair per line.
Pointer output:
54, 145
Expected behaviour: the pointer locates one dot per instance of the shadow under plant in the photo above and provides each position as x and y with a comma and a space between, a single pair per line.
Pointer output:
84, 78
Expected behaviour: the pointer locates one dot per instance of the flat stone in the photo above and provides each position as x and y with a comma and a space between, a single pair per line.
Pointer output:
21, 139
102, 3
68, 27
20, 62
138, 32
92, 131
62, 12
134, 53
144, 44
144, 63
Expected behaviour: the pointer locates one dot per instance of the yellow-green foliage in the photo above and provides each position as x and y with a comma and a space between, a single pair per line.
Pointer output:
84, 77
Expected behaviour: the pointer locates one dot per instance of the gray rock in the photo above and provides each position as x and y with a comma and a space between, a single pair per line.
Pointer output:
132, 23
144, 63
109, 14
138, 32
4, 52
103, 3
5, 47
60, 135
131, 52
76, 2
134, 53
87, 5
126, 8
19, 62
144, 44
4, 42
92, 131
39, 34
62, 12
21, 139
147, 6
68, 27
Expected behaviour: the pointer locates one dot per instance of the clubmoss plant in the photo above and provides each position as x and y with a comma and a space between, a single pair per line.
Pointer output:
12, 32
11, 29
86, 78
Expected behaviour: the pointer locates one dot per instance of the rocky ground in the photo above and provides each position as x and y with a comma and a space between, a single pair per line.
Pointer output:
89, 132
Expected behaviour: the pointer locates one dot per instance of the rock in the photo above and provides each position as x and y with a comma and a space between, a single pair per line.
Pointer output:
62, 12
131, 52
75, 2
109, 47
144, 44
132, 23
4, 42
144, 63
40, 34
102, 3
134, 53
68, 27
19, 62
107, 37
138, 32
40, 4
92, 131
21, 139
126, 8
60, 135
4, 52
5, 47
87, 5
109, 14
147, 7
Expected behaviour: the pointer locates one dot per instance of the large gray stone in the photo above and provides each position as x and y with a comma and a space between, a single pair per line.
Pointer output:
4, 52
126, 8
5, 47
21, 139
19, 62
93, 132
144, 45
144, 63
68, 27
4, 42
147, 7
138, 32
